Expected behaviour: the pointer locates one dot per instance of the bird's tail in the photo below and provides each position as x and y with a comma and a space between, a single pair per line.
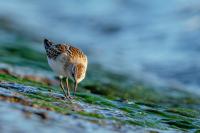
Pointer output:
47, 43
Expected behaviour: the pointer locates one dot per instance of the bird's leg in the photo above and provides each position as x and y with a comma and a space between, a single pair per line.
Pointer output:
68, 89
75, 87
62, 87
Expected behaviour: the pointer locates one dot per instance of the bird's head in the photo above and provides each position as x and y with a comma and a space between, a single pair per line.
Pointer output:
78, 72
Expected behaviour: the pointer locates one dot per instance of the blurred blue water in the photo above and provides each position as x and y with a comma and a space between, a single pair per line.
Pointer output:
156, 41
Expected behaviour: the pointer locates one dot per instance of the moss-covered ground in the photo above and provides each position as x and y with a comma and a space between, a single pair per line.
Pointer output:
104, 95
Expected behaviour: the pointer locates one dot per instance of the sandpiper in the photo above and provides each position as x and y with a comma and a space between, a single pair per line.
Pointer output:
67, 62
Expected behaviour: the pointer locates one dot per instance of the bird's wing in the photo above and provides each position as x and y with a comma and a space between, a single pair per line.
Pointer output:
73, 55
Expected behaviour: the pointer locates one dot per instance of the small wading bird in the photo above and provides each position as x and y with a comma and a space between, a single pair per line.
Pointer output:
67, 62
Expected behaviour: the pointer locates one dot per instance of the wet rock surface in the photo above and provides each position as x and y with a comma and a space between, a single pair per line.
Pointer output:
26, 107
103, 104
26, 118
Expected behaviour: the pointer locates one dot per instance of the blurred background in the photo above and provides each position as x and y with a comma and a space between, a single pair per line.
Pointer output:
157, 42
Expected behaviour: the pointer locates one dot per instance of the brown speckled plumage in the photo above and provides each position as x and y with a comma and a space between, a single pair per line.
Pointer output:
66, 61
80, 69
55, 50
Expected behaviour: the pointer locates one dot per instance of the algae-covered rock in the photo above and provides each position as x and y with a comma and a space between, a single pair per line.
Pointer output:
35, 105
30, 99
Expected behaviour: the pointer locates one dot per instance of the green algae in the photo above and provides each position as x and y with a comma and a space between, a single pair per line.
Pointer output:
149, 107
98, 80
94, 99
39, 85
41, 97
50, 106
185, 112
182, 124
93, 115
154, 116
22, 55
46, 102
102, 82
143, 114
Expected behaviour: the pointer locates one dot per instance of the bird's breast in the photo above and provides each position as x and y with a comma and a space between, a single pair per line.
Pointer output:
57, 66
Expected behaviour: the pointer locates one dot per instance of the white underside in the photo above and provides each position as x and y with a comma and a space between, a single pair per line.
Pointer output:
58, 67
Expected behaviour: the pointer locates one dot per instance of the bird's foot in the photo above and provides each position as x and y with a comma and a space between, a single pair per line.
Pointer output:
67, 98
70, 97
